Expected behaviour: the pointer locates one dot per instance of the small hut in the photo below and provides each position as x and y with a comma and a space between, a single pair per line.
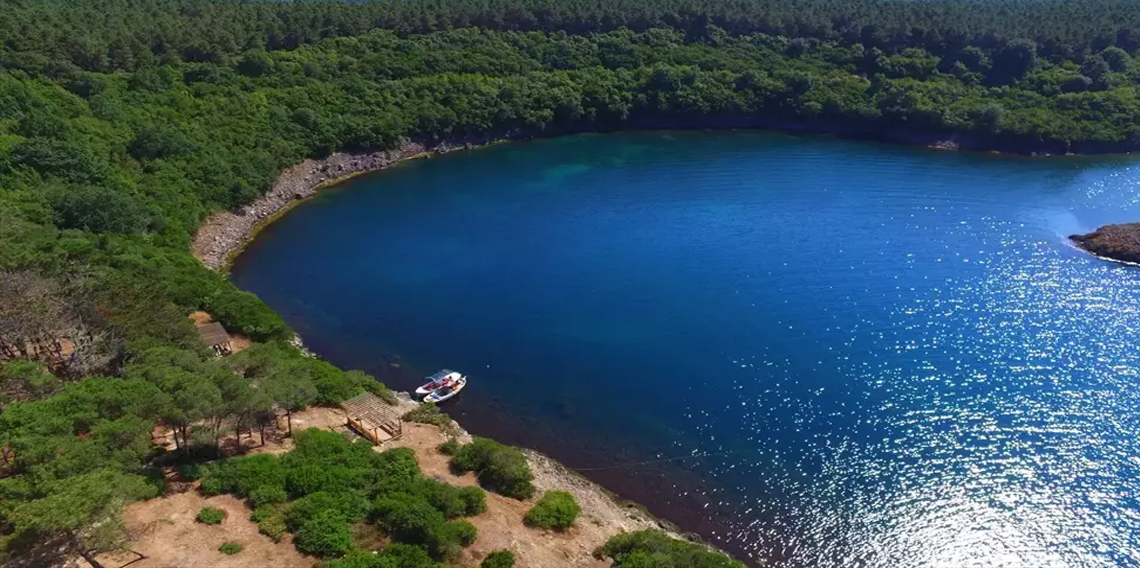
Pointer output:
373, 418
214, 335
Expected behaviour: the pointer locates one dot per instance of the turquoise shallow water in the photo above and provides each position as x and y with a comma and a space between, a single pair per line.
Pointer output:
829, 353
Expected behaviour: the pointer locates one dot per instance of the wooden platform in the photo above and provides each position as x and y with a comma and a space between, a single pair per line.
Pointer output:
373, 418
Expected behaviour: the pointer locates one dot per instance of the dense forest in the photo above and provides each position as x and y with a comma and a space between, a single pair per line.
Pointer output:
124, 123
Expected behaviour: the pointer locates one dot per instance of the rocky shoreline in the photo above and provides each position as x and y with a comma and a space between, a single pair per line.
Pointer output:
1120, 243
224, 234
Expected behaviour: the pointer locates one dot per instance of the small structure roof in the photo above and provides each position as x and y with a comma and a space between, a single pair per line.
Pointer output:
213, 334
371, 416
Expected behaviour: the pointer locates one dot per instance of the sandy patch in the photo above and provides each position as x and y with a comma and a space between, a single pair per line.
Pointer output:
164, 531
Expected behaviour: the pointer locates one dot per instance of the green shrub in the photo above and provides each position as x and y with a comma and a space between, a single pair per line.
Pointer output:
396, 467
556, 510
462, 532
310, 478
242, 475
335, 385
499, 559
474, 501
654, 548
408, 518
427, 413
267, 495
210, 516
450, 500
272, 526
230, 547
348, 504
242, 311
191, 472
502, 469
449, 448
325, 535
394, 555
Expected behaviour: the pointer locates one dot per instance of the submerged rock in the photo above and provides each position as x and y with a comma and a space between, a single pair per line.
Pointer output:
1115, 242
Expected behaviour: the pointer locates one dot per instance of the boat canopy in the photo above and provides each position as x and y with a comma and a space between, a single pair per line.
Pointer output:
440, 375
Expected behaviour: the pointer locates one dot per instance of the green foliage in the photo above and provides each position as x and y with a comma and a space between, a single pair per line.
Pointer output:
267, 495
653, 548
556, 510
230, 548
395, 555
242, 475
499, 559
427, 413
450, 500
325, 535
270, 521
348, 505
411, 518
96, 209
243, 311
450, 447
191, 472
210, 516
500, 468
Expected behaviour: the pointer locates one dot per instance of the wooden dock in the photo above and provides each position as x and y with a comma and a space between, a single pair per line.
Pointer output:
373, 418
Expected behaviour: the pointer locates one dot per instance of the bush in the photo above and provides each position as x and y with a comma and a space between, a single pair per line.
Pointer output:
474, 501
311, 478
266, 495
462, 532
500, 468
210, 516
499, 559
242, 475
242, 311
230, 547
325, 535
335, 385
449, 448
427, 413
273, 526
556, 510
397, 468
452, 501
191, 472
395, 555
348, 504
655, 548
408, 518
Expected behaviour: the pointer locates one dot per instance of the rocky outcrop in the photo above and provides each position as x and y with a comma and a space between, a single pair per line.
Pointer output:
1113, 242
223, 234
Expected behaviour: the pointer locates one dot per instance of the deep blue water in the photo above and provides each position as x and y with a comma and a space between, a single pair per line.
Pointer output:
872, 355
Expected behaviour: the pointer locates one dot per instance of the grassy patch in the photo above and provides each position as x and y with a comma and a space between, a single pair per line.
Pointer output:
557, 510
210, 516
230, 548
502, 469
499, 559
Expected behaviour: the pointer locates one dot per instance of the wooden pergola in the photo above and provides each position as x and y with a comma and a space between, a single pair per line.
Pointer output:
373, 418
214, 335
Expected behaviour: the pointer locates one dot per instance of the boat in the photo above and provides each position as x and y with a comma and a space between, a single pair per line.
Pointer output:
438, 381
443, 393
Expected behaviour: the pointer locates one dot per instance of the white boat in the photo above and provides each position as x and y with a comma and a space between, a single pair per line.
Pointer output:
443, 393
440, 380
